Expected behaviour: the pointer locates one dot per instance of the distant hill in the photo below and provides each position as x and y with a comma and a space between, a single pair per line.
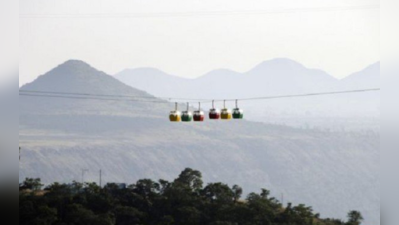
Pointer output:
270, 77
333, 171
369, 77
76, 76
273, 78
151, 80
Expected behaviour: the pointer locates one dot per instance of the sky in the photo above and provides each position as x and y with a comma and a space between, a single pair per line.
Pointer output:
184, 37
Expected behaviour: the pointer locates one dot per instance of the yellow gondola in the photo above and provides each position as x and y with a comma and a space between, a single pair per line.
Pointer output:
226, 113
175, 116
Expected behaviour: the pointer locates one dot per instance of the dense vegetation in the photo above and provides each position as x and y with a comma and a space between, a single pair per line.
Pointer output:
185, 201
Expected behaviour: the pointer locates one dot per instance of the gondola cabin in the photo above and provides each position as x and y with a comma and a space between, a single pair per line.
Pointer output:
186, 116
238, 113
199, 116
175, 116
226, 114
214, 114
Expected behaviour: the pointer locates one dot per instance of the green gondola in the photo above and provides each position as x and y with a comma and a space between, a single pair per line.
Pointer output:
187, 116
237, 112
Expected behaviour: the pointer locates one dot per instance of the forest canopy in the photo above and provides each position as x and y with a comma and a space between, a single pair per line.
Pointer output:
185, 201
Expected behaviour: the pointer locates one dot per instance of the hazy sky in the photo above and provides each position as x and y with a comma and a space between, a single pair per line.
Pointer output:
118, 34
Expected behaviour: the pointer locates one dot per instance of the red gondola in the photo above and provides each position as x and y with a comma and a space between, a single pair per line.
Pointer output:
199, 115
214, 114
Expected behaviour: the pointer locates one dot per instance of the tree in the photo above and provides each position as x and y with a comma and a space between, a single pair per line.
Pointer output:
303, 214
221, 193
146, 188
79, 215
190, 178
92, 188
188, 215
237, 192
354, 218
163, 186
265, 193
32, 184
128, 215
45, 216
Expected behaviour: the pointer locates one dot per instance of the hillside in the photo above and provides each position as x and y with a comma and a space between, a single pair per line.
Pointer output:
333, 171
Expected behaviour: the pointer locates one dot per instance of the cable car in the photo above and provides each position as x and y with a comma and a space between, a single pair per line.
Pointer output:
237, 112
226, 113
187, 116
199, 115
214, 114
175, 116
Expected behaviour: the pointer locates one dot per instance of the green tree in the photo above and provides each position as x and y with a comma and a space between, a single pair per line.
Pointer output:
45, 216
188, 215
237, 192
191, 178
79, 215
32, 184
128, 215
146, 188
218, 192
355, 218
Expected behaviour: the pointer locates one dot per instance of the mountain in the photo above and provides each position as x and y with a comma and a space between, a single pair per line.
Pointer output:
152, 80
285, 75
274, 78
70, 75
368, 77
333, 171
270, 77
76, 76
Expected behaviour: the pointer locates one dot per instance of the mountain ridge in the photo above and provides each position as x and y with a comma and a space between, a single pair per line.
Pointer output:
286, 61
